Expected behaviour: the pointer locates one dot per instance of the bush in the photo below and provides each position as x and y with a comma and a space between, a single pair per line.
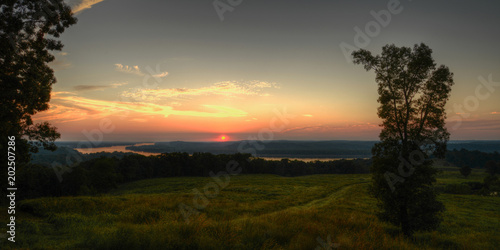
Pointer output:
475, 185
457, 189
465, 171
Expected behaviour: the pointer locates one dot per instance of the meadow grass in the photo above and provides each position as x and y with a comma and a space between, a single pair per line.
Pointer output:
251, 212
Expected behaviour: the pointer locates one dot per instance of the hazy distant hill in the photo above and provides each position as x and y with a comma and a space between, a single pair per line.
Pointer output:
85, 144
483, 146
281, 148
65, 155
316, 149
291, 149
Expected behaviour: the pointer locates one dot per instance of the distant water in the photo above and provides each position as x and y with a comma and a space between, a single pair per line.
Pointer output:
122, 148
116, 149
306, 159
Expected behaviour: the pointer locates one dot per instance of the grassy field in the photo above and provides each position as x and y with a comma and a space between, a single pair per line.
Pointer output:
251, 212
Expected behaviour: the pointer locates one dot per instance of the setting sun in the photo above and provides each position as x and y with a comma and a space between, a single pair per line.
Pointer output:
223, 138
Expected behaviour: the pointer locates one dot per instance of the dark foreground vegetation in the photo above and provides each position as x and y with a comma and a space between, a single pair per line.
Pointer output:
251, 212
101, 174
125, 203
473, 159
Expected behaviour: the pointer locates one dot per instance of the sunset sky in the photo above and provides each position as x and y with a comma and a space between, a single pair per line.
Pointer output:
157, 70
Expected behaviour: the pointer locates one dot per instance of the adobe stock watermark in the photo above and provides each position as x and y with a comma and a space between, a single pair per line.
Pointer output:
222, 7
372, 29
252, 145
407, 167
106, 126
471, 103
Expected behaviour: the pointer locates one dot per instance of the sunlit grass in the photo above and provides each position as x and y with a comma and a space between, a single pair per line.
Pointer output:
251, 212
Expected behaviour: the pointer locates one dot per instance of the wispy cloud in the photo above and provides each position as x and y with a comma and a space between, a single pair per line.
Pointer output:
60, 62
67, 107
97, 87
80, 5
161, 74
333, 127
130, 70
479, 124
227, 89
89, 87
137, 71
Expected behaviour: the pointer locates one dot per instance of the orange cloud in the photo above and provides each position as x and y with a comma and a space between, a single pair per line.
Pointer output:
97, 87
228, 89
126, 69
80, 5
331, 128
66, 107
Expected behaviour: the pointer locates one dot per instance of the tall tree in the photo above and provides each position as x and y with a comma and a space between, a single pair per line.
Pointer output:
412, 95
28, 32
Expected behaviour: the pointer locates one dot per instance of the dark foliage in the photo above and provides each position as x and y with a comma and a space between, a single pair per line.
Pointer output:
474, 159
28, 32
492, 167
465, 170
412, 95
104, 173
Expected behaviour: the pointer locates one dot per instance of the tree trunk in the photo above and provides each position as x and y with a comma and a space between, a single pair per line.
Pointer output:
405, 221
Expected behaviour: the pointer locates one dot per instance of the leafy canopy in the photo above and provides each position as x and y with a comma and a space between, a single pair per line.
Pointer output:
412, 95
28, 32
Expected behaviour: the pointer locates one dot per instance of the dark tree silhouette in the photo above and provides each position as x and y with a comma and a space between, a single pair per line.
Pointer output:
28, 31
492, 168
465, 170
412, 96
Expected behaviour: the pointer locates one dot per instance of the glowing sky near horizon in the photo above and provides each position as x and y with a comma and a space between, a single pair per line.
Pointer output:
172, 70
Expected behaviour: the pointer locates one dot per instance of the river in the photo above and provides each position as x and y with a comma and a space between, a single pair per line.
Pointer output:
123, 149
116, 149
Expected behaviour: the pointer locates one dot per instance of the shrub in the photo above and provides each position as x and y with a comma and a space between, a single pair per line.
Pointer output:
465, 171
457, 189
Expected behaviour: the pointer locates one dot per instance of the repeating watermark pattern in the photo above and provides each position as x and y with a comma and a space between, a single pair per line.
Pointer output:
326, 245
266, 135
94, 138
222, 7
405, 167
372, 28
471, 103
106, 126
211, 190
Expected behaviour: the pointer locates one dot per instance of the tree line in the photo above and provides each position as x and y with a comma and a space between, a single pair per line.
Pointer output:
473, 159
105, 173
